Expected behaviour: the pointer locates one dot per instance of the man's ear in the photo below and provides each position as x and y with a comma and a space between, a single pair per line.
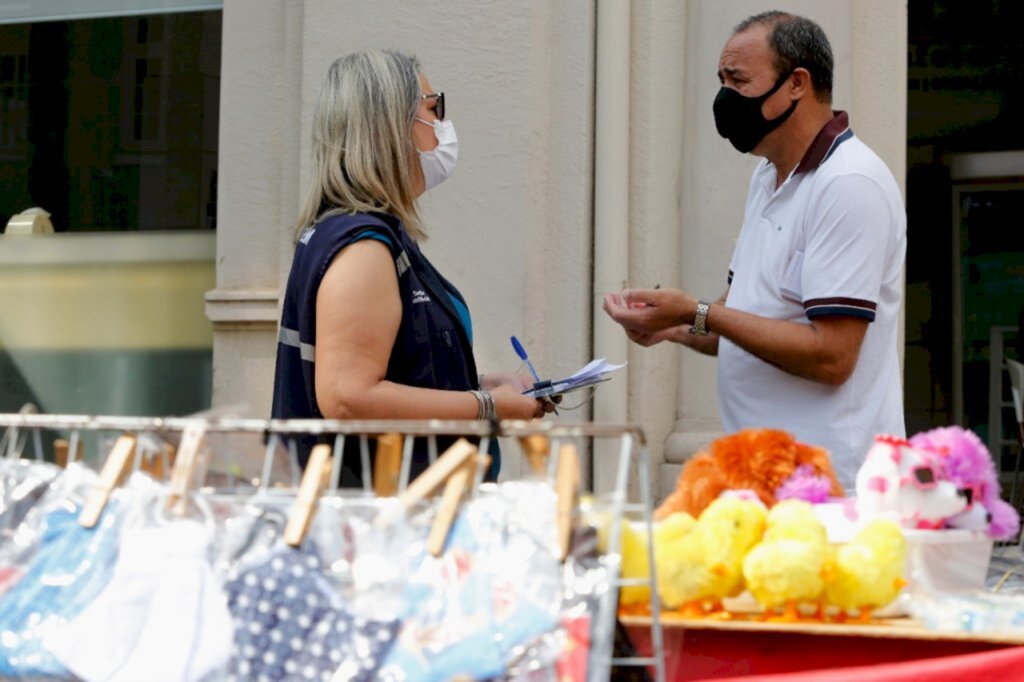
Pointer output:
800, 83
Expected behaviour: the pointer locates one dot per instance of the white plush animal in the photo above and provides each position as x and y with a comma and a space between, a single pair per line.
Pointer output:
906, 485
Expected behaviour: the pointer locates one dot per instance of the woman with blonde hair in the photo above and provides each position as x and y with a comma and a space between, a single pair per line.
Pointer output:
370, 329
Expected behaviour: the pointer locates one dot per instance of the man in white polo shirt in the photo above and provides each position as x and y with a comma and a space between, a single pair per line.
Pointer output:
806, 333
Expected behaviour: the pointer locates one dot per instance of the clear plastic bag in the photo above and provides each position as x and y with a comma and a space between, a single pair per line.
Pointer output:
970, 612
494, 590
963, 586
66, 491
22, 485
367, 560
69, 566
163, 609
566, 653
328, 607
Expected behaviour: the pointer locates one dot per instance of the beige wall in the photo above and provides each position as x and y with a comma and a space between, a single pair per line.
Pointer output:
513, 226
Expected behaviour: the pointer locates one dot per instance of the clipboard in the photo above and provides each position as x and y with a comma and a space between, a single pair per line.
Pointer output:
548, 389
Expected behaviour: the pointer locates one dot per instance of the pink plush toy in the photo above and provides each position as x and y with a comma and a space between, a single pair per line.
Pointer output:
906, 484
968, 465
805, 484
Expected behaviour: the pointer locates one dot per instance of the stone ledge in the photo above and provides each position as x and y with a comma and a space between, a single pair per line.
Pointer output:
680, 446
233, 309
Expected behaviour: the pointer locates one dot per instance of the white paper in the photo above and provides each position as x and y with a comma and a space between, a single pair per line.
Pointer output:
591, 373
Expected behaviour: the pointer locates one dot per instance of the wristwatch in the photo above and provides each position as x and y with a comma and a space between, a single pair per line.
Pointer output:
700, 319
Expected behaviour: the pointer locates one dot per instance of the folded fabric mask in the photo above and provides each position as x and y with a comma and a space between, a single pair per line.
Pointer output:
162, 616
290, 623
72, 565
493, 590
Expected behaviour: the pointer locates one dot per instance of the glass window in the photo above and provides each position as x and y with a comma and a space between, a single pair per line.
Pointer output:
110, 124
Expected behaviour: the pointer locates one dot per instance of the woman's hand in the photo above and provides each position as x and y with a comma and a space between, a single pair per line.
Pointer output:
510, 403
522, 382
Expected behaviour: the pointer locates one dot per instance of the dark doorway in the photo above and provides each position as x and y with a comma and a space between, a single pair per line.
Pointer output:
965, 242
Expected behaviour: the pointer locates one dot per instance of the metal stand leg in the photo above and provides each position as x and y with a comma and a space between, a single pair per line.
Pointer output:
619, 508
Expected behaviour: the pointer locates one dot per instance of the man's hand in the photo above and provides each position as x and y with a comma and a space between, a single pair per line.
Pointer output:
645, 313
645, 339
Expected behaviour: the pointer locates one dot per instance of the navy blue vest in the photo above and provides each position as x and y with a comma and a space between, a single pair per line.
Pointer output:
432, 349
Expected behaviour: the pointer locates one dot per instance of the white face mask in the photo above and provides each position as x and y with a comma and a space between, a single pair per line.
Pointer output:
438, 163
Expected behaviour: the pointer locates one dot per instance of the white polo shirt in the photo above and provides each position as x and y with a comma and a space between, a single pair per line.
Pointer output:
830, 241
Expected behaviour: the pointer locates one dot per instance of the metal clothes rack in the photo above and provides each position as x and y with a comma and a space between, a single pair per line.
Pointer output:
633, 451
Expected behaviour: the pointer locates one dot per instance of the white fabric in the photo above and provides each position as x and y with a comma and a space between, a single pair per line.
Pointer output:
163, 616
837, 231
439, 162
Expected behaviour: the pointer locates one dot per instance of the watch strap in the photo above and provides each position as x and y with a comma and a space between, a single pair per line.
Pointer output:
700, 319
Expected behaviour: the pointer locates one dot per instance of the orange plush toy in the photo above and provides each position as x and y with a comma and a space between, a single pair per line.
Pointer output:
754, 459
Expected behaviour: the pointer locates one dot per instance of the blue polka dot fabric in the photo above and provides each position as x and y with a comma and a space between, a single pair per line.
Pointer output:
290, 623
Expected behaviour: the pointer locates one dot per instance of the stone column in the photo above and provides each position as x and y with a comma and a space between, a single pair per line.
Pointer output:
258, 195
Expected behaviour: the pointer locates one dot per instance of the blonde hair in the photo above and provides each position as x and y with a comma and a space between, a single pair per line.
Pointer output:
363, 153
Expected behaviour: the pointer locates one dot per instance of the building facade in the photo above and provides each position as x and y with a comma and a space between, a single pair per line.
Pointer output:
589, 161
176, 133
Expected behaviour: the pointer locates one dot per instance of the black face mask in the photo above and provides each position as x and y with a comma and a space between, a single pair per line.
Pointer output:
739, 118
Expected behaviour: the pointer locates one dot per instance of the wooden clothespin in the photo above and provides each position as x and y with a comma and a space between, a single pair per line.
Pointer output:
567, 486
458, 482
388, 466
430, 480
184, 468
159, 464
536, 448
314, 481
438, 472
113, 469
483, 463
62, 454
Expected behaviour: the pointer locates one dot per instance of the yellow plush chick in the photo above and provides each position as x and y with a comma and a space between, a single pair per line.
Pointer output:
634, 565
795, 520
634, 552
867, 572
706, 563
785, 568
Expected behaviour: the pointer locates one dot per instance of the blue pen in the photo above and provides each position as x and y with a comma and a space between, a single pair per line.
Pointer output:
521, 352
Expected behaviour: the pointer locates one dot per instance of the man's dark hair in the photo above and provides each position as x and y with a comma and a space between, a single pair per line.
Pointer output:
797, 42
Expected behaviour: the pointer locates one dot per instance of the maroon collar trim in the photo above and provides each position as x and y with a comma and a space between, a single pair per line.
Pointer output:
827, 139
